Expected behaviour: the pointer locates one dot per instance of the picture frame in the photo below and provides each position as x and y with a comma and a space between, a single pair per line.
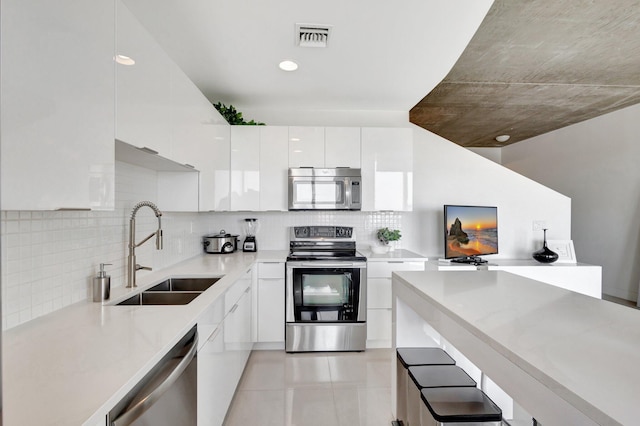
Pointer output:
564, 248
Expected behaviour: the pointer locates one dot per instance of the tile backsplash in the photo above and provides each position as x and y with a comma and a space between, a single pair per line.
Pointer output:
48, 258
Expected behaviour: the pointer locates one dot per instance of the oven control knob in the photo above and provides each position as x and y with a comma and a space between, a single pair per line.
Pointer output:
301, 231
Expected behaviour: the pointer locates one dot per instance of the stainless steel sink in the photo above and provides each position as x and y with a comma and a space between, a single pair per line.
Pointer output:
185, 284
174, 291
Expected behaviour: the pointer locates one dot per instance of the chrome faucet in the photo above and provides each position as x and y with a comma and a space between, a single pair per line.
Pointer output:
132, 266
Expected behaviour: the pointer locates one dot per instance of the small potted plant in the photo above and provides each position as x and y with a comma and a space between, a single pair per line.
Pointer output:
385, 235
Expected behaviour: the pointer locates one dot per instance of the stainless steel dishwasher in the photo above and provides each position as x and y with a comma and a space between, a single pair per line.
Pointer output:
167, 395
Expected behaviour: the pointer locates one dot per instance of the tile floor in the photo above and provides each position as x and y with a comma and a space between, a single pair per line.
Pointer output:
328, 388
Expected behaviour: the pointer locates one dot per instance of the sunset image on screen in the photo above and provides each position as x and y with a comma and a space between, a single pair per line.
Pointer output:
471, 231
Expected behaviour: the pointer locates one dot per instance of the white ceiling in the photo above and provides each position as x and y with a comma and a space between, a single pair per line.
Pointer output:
382, 55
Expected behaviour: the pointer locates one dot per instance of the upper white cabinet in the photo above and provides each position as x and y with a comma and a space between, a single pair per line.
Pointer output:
324, 147
306, 146
57, 105
342, 147
387, 169
245, 168
215, 180
274, 162
143, 109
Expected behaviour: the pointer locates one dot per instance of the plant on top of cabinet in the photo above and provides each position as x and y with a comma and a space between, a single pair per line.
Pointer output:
233, 116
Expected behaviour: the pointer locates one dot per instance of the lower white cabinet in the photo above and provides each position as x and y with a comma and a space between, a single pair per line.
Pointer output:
270, 302
224, 348
379, 300
578, 277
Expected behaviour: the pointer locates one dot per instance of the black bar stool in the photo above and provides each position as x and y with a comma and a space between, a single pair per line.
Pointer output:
409, 357
432, 376
466, 405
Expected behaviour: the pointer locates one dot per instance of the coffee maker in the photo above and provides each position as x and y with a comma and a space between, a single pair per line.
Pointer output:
251, 226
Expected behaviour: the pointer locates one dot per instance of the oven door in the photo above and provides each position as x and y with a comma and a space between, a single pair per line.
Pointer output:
326, 292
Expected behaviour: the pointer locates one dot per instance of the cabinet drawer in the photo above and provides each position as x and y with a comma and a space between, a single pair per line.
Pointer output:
384, 269
271, 270
235, 292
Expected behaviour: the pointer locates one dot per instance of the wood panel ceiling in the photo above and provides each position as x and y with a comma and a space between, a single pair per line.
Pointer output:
535, 66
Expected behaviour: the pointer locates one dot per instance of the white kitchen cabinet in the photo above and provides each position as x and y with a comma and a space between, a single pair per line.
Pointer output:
245, 168
237, 335
328, 147
578, 277
379, 299
192, 121
274, 164
178, 191
57, 105
215, 179
306, 146
215, 381
270, 305
387, 169
143, 101
342, 147
225, 344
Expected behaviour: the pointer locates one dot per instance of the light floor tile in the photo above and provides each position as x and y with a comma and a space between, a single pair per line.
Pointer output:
364, 407
311, 389
364, 371
307, 371
310, 407
265, 408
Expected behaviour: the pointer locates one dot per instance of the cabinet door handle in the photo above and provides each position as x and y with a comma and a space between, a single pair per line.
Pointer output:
214, 334
248, 290
233, 309
73, 209
396, 261
148, 150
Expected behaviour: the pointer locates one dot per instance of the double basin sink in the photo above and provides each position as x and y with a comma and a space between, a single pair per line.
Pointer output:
174, 291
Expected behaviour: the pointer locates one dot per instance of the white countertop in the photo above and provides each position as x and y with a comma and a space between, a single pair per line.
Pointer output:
399, 255
585, 350
72, 366
513, 262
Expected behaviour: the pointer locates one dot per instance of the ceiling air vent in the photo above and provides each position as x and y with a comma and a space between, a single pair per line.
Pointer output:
312, 35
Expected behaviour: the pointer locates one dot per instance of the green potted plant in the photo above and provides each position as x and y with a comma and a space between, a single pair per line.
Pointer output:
385, 235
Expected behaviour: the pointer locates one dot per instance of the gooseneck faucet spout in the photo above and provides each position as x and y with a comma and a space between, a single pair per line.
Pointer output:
132, 266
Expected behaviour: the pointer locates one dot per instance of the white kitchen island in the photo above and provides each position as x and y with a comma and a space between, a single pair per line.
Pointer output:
567, 358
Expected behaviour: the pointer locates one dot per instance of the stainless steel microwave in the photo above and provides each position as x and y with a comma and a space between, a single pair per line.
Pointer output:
325, 189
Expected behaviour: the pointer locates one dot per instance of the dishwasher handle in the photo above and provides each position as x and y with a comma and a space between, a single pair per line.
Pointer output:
145, 402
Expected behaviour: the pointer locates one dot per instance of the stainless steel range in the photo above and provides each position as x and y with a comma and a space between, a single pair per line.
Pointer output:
326, 293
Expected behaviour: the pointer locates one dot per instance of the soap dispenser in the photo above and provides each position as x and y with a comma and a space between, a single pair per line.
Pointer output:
101, 285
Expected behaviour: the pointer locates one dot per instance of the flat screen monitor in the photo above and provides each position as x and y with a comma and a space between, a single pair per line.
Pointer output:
470, 231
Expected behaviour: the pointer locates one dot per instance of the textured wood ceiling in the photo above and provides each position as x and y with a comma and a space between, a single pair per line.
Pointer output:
535, 66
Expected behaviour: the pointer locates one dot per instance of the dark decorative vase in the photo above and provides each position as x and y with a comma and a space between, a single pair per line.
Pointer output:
545, 255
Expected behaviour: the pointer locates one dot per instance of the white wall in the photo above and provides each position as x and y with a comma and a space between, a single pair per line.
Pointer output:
445, 173
493, 154
596, 163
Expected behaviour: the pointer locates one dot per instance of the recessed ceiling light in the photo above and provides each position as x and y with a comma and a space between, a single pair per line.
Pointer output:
503, 138
124, 60
288, 65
